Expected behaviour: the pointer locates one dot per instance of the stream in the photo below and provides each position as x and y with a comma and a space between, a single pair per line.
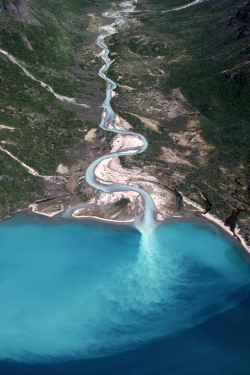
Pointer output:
84, 297
144, 222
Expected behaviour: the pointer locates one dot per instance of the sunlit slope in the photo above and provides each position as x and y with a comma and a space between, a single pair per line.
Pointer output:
54, 41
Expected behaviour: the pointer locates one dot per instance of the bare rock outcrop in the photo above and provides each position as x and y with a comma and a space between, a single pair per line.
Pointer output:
26, 42
20, 12
244, 16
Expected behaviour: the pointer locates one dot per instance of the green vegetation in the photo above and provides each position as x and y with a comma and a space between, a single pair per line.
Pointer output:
122, 203
46, 130
189, 70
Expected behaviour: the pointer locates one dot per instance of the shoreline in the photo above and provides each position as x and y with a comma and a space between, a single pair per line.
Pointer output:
33, 208
130, 143
101, 219
209, 217
238, 237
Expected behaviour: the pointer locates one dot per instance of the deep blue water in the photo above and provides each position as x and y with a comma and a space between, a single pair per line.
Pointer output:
87, 298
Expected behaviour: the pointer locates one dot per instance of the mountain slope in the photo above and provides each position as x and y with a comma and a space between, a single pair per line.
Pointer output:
55, 42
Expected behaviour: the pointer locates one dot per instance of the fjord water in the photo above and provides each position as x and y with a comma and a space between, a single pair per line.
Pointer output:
82, 297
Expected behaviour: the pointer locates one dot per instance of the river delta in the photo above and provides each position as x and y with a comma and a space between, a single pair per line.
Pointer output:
142, 292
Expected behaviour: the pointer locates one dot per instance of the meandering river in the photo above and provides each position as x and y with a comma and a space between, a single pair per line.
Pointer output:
146, 221
81, 297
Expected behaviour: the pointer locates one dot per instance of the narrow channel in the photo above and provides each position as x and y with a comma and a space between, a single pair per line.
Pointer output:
145, 221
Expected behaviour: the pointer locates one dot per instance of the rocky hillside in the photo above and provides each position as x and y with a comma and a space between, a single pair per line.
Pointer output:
40, 129
19, 11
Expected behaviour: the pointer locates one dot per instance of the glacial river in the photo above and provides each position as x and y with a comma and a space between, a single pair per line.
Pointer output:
81, 297
146, 221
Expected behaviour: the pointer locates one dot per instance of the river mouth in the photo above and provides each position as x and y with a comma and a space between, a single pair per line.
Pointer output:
145, 221
97, 299
72, 290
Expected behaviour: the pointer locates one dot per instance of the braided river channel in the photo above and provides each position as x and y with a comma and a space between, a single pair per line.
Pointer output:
93, 298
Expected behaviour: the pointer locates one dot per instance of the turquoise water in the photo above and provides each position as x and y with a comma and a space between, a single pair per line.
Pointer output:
78, 290
88, 298
146, 221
